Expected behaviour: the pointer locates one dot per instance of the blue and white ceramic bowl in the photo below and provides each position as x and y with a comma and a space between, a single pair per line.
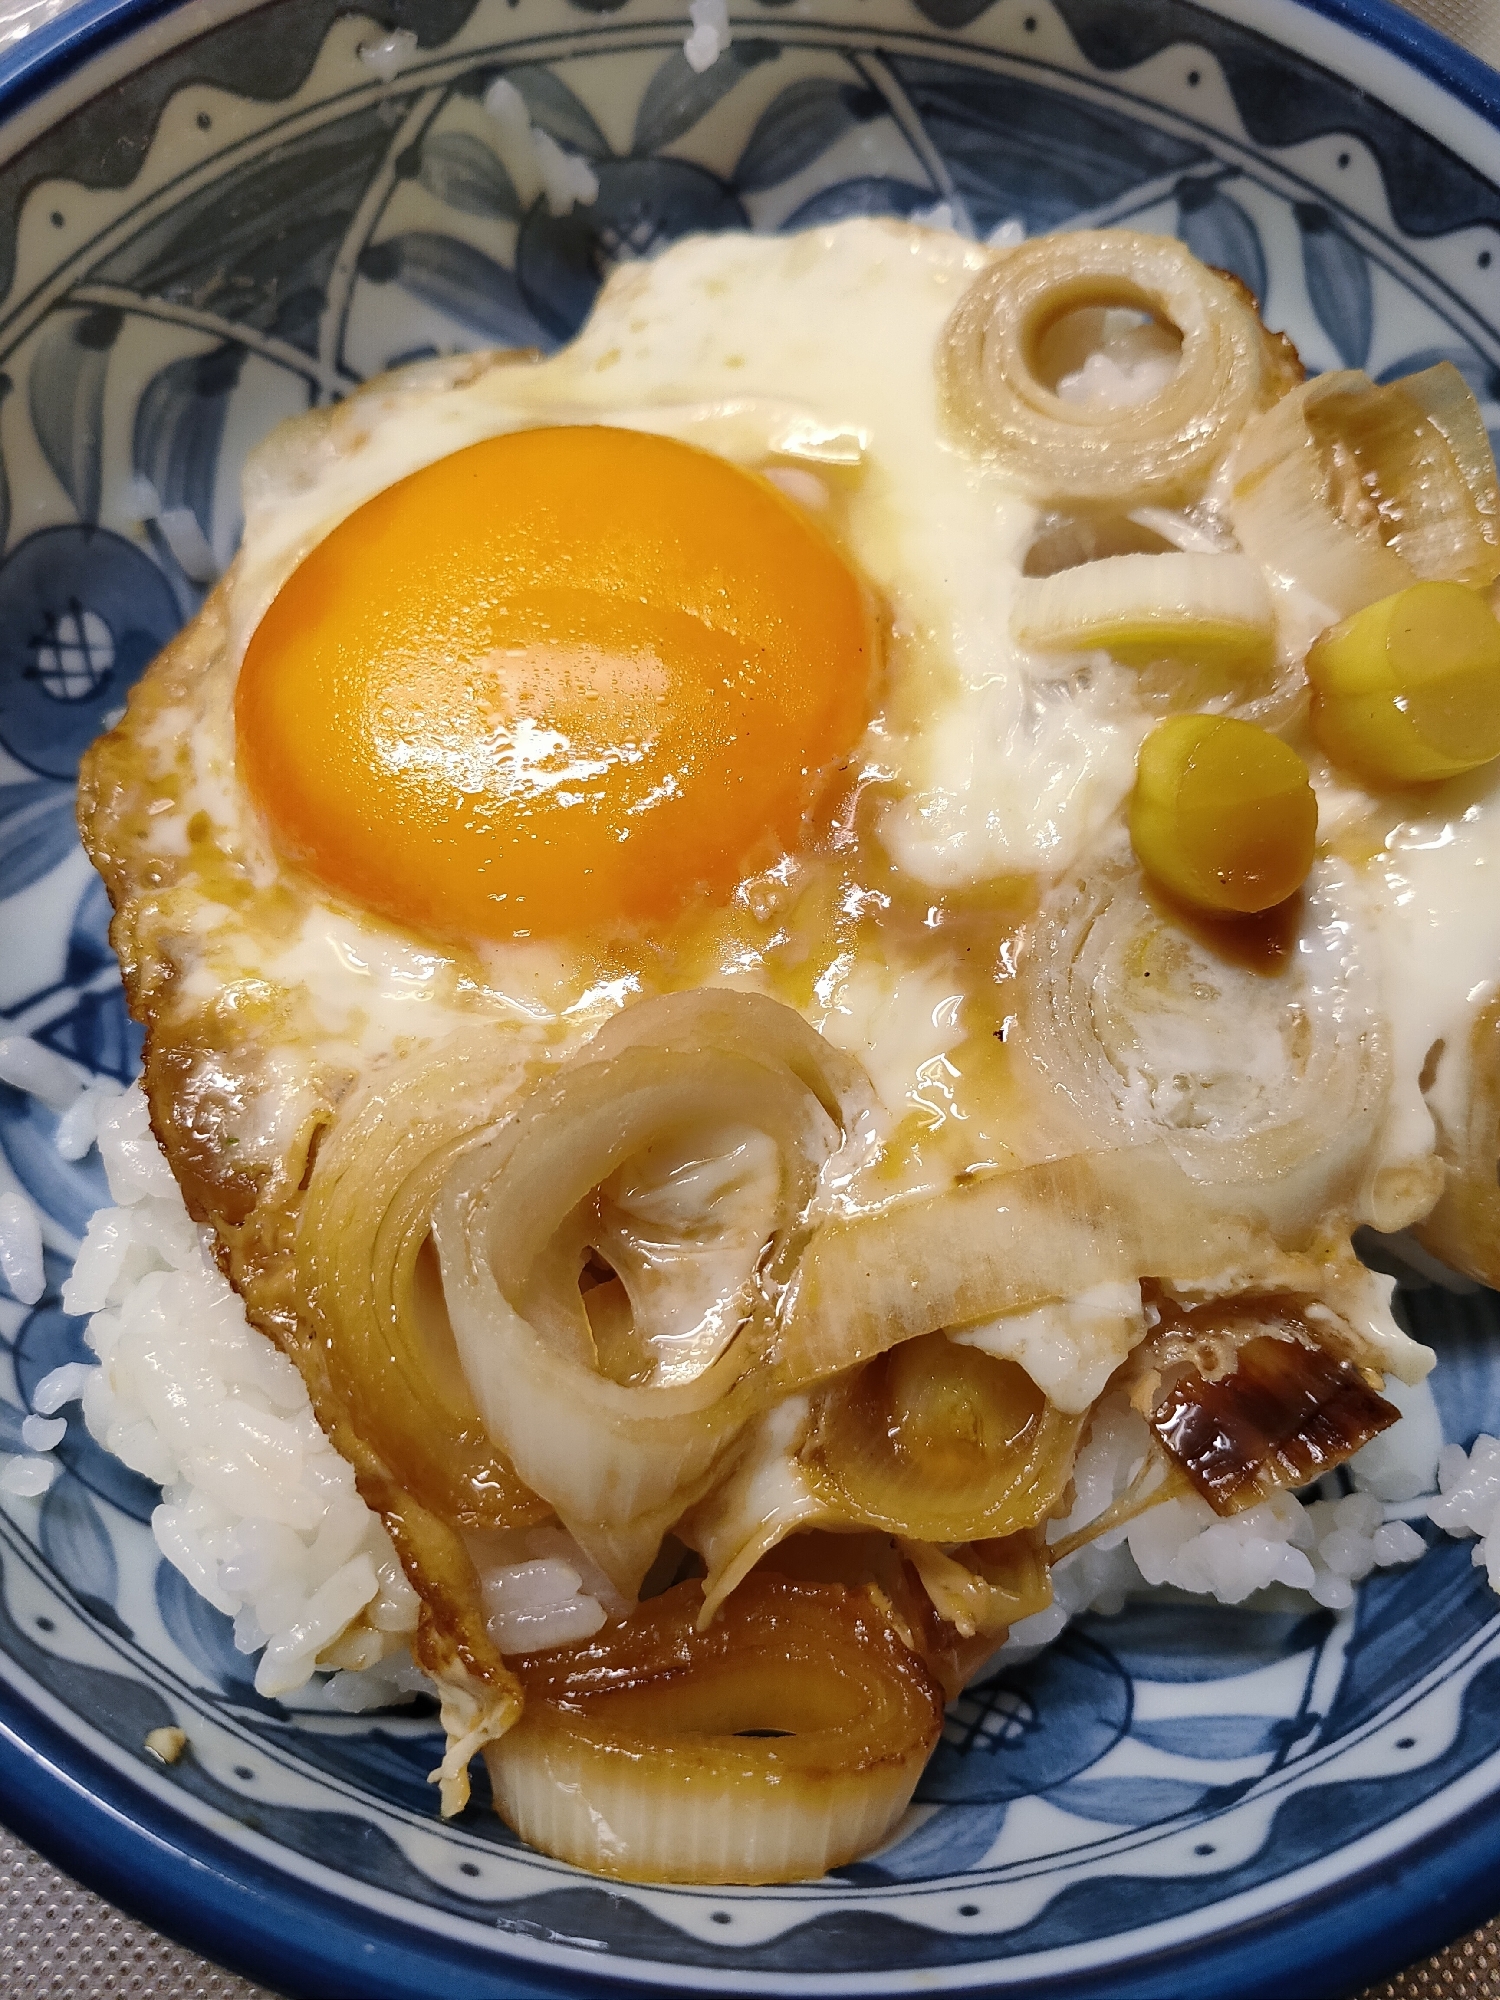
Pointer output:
214, 213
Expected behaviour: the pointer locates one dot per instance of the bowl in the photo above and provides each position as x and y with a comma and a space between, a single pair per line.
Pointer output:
214, 214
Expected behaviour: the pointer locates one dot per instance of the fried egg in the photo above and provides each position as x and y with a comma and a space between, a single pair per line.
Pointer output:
706, 654
779, 781
683, 656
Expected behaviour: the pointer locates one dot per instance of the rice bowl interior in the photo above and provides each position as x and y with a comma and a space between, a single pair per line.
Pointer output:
1008, 984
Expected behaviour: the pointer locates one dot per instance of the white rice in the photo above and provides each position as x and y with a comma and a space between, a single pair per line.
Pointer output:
564, 178
21, 1248
389, 1682
41, 1072
539, 1603
1006, 235
1113, 384
1468, 1501
567, 179
710, 35
389, 56
63, 1386
28, 1478
258, 1511
78, 1127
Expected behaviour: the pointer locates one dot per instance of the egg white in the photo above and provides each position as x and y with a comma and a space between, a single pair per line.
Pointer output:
812, 357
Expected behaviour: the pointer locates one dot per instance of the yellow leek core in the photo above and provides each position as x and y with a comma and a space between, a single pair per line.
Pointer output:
1409, 688
939, 1443
1214, 610
1222, 814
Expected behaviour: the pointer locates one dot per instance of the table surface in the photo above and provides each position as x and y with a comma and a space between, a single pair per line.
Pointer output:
60, 1941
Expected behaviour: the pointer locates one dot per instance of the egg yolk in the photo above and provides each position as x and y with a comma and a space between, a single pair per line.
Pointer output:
564, 678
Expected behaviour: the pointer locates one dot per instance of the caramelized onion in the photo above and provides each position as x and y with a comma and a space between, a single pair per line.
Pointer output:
1354, 491
1283, 1414
1015, 1240
475, 1711
480, 1697
764, 1495
1264, 1080
938, 1443
521, 1213
369, 1285
984, 1588
1054, 1231
782, 1741
952, 1606
1419, 458
1065, 453
1448, 403
933, 1442
394, 1398
1464, 1228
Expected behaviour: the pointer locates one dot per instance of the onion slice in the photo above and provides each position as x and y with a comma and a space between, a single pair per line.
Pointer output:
938, 1442
983, 1588
1019, 1239
1464, 1228
779, 1743
1353, 491
1204, 609
368, 1285
1258, 1060
1161, 450
933, 1442
520, 1213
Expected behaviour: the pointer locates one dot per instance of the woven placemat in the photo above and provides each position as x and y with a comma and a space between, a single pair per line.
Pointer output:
1469, 1970
1475, 22
61, 1942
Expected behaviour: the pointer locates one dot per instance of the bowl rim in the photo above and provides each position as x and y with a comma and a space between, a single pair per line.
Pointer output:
192, 1885
34, 64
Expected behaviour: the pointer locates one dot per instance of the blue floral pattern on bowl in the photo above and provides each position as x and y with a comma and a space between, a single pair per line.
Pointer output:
249, 223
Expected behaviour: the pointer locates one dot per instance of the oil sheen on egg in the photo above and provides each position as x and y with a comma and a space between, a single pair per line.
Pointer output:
821, 768
617, 672
807, 460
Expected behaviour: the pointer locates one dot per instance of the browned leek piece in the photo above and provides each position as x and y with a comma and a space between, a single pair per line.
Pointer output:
1016, 1573
1285, 1414
370, 1290
981, 1589
780, 1742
